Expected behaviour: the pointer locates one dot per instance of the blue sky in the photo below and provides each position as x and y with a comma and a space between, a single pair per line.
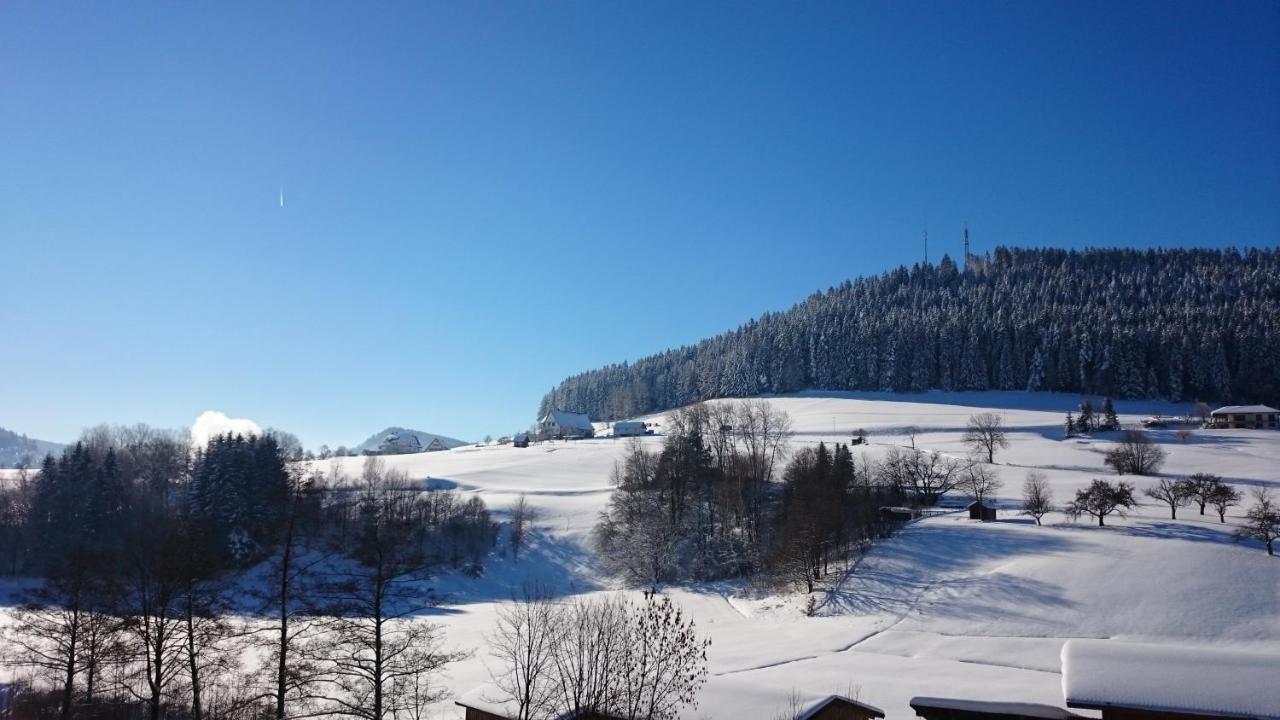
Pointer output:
482, 198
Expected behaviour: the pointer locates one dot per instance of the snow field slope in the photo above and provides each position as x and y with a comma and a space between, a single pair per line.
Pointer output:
950, 607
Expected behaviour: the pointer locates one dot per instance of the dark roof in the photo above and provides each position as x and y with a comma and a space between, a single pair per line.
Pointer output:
814, 709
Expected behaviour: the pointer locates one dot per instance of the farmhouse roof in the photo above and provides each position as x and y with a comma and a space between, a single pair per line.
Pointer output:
1190, 680
1244, 410
563, 419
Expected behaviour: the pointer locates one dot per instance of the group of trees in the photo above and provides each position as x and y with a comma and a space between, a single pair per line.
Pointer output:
702, 507
1173, 324
600, 657
1089, 421
1103, 498
1202, 489
148, 605
715, 503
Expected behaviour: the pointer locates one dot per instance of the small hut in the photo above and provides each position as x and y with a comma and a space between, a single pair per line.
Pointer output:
838, 707
979, 511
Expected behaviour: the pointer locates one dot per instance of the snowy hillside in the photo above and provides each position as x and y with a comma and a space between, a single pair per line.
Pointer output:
375, 441
14, 448
950, 607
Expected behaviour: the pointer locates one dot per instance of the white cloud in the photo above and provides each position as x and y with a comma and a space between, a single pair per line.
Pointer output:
212, 423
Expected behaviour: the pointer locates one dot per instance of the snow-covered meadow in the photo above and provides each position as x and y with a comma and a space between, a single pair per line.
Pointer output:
950, 607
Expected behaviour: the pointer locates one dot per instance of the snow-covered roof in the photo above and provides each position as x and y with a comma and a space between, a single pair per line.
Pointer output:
816, 707
1193, 680
489, 698
580, 421
1243, 410
995, 709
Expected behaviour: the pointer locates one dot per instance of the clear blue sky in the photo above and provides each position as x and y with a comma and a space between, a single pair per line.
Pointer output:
482, 198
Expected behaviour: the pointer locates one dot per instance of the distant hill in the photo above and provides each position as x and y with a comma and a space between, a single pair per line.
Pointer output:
14, 447
1177, 325
425, 438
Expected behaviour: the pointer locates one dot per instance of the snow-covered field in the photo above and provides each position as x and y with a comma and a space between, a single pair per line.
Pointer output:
948, 608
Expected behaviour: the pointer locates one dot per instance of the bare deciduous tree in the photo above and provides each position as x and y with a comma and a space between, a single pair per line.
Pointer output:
1200, 488
1173, 493
979, 481
586, 656
663, 662
927, 475
986, 434
1136, 454
1262, 521
1037, 497
1224, 497
521, 515
1101, 499
524, 643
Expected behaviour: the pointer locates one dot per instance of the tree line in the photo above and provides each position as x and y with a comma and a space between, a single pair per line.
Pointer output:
1172, 324
227, 582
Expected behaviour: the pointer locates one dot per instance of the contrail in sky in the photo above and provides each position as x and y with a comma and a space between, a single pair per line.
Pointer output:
281, 197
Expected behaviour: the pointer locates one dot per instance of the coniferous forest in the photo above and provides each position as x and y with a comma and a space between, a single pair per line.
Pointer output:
1169, 324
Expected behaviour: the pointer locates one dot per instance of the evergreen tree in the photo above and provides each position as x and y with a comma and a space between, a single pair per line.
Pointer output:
1109, 419
1086, 422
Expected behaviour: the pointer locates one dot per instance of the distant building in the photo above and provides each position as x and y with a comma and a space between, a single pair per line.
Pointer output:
1140, 681
397, 444
520, 440
561, 424
435, 445
1245, 416
628, 428
978, 511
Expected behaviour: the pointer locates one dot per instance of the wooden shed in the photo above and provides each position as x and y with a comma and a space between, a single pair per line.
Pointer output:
838, 707
979, 511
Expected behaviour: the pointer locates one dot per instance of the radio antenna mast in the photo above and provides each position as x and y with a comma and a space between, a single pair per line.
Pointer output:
966, 247
926, 247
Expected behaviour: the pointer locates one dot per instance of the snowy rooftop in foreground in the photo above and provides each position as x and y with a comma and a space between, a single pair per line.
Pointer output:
1101, 674
995, 709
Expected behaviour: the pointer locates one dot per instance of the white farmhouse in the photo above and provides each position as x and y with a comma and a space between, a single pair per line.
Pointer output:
561, 424
1245, 416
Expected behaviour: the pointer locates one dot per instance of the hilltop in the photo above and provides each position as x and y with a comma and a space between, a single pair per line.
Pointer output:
14, 448
1171, 324
375, 441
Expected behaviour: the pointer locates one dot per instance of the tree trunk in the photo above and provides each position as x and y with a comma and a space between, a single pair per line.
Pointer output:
1100, 522
68, 686
194, 658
